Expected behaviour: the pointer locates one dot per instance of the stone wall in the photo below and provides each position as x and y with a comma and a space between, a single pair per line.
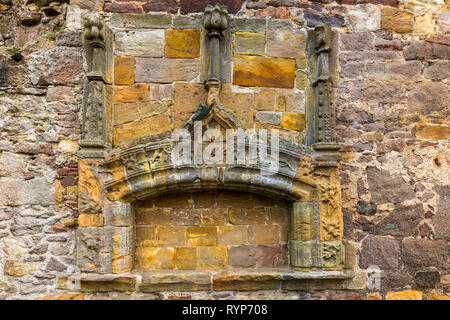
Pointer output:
392, 111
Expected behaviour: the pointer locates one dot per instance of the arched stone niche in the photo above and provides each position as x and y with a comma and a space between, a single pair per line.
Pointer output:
113, 180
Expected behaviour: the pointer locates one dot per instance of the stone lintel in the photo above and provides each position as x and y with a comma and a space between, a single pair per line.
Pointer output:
189, 281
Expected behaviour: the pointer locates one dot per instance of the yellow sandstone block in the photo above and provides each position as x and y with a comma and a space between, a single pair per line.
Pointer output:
437, 296
253, 71
294, 121
405, 295
155, 258
134, 93
182, 44
124, 70
90, 220
142, 128
202, 236
186, 258
432, 132
397, 20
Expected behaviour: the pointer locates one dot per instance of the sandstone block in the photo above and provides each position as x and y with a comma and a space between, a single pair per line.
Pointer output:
179, 281
233, 235
432, 132
145, 236
118, 214
272, 256
405, 295
233, 102
229, 199
294, 121
166, 217
428, 97
187, 97
269, 117
170, 236
423, 6
383, 252
124, 70
444, 21
397, 20
142, 128
404, 70
427, 279
141, 21
263, 234
253, 71
14, 249
174, 201
202, 236
358, 41
364, 18
186, 258
386, 187
438, 71
247, 216
90, 220
442, 214
214, 217
212, 257
122, 253
438, 296
161, 5
166, 70
15, 192
118, 7
242, 256
60, 65
244, 282
188, 6
155, 257
148, 43
134, 93
402, 222
249, 43
420, 253
115, 284
18, 269
182, 43
284, 40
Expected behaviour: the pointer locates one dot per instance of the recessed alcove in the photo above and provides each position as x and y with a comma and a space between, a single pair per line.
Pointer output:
221, 230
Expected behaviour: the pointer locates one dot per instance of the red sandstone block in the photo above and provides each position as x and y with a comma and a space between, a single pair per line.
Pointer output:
117, 7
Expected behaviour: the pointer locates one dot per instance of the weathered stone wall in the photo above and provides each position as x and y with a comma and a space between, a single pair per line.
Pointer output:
392, 111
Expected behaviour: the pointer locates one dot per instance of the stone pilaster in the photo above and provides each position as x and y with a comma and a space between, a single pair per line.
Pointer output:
98, 44
320, 102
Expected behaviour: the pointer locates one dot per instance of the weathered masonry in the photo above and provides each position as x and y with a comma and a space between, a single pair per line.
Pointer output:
93, 95
195, 226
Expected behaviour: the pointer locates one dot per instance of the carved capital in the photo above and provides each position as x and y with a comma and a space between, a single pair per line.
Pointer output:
94, 34
216, 20
94, 30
